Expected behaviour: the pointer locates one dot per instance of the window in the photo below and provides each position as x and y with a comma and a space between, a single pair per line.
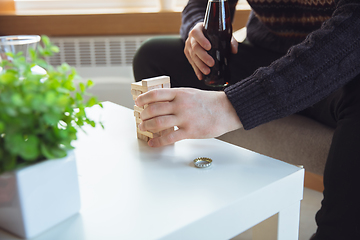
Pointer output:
67, 6
26, 5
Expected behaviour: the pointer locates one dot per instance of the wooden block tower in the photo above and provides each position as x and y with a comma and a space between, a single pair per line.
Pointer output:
142, 87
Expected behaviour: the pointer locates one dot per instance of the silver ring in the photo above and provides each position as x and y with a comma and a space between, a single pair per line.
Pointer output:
202, 162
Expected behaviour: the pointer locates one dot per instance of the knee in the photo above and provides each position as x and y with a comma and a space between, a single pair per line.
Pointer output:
144, 54
154, 54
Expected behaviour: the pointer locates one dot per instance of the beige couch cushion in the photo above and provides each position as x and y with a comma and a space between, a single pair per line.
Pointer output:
295, 139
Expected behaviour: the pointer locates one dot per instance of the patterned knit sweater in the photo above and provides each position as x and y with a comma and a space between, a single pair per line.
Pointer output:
320, 40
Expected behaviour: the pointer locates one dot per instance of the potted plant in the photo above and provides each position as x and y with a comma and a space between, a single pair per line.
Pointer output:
41, 110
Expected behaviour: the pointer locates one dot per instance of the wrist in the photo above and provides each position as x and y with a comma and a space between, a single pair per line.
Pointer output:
231, 120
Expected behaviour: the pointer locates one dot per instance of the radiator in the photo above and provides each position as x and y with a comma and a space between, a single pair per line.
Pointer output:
104, 59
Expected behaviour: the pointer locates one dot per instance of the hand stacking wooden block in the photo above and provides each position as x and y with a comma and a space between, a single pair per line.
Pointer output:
140, 88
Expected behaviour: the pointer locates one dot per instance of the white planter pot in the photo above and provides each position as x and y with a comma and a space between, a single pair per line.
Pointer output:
37, 197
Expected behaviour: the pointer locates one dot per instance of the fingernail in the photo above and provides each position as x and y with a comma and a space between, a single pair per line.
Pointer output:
150, 143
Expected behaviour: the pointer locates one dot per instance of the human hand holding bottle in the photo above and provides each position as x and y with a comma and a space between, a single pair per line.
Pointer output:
196, 47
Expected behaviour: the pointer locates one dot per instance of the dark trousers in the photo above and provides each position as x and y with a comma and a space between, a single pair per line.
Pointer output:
339, 216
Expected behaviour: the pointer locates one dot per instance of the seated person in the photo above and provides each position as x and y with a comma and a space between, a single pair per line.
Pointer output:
299, 57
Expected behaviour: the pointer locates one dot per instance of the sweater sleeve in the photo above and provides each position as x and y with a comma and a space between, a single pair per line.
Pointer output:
194, 12
325, 61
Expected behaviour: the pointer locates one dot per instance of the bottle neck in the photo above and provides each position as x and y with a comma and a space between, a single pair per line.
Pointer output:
217, 13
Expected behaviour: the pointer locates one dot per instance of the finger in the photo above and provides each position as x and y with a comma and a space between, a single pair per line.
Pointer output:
198, 73
197, 33
234, 45
158, 124
202, 54
156, 95
167, 139
156, 109
195, 68
203, 68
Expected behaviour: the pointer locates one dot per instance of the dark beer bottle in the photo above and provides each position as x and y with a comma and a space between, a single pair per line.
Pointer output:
218, 30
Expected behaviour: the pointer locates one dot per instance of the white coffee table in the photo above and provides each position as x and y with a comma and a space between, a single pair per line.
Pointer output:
132, 191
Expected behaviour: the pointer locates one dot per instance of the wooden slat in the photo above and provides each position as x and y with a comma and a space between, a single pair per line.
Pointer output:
99, 24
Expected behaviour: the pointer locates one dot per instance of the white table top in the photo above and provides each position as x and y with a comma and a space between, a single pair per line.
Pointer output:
131, 191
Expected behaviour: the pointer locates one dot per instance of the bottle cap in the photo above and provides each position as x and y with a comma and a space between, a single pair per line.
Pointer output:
202, 162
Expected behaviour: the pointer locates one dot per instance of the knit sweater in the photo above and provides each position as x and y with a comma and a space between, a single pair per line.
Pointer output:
321, 43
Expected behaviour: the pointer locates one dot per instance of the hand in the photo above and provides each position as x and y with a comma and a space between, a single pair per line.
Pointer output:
196, 47
197, 114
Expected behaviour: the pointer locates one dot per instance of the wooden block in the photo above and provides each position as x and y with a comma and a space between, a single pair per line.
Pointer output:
136, 92
149, 82
138, 86
137, 114
138, 120
148, 134
155, 87
138, 109
166, 85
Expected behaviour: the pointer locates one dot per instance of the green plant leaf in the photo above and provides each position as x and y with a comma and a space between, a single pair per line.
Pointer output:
52, 118
2, 127
17, 100
46, 151
40, 114
55, 49
78, 96
50, 98
64, 68
30, 148
38, 103
92, 101
82, 87
58, 152
9, 162
8, 77
25, 110
33, 54
42, 63
90, 83
40, 50
14, 142
62, 101
10, 54
11, 111
46, 40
